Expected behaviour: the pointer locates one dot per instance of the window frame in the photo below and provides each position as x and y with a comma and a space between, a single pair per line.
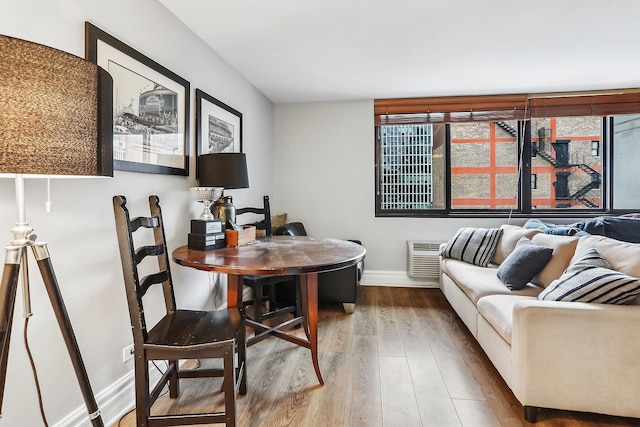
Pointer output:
496, 108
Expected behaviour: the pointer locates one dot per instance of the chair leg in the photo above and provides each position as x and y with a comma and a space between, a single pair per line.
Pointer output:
229, 387
272, 299
242, 358
174, 385
349, 307
530, 413
298, 312
258, 293
143, 406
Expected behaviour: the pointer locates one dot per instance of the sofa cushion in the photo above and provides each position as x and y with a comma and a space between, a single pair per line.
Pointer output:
477, 282
473, 245
507, 243
622, 256
526, 260
587, 281
563, 249
498, 311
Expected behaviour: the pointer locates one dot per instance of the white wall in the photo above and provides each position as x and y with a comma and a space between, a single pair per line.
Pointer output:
324, 177
81, 232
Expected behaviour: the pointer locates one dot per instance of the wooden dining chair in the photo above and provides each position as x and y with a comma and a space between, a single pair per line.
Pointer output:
179, 334
264, 287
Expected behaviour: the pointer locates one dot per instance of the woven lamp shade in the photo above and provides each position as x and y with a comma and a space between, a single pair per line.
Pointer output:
55, 112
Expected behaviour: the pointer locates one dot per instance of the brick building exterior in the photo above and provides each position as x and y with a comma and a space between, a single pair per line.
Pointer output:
566, 164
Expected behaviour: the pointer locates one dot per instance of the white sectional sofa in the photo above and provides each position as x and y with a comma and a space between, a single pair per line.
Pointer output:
553, 354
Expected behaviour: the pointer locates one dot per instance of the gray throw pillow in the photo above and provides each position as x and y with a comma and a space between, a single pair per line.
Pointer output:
526, 260
587, 281
473, 245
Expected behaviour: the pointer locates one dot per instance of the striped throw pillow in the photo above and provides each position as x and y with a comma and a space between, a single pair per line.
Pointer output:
590, 280
592, 257
473, 245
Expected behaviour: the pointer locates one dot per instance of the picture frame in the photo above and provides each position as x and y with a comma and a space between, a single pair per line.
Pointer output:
150, 107
218, 126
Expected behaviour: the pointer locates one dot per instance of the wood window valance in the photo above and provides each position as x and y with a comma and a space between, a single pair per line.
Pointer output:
505, 107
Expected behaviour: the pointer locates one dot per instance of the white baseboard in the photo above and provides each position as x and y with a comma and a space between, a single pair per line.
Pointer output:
394, 279
115, 401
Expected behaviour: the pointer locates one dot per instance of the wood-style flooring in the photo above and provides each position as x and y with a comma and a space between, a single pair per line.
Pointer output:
403, 359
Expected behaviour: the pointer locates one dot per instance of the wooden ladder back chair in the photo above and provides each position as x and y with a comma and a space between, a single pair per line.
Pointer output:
264, 211
179, 334
264, 287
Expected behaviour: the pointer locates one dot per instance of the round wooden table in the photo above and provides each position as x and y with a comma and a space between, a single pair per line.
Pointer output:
279, 255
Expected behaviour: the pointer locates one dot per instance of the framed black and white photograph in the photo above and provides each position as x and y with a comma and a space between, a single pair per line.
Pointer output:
150, 107
218, 126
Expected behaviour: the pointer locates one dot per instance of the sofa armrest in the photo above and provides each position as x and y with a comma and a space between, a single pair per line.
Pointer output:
577, 355
441, 248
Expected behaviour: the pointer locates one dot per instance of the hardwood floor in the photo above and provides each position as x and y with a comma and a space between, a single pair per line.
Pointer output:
403, 359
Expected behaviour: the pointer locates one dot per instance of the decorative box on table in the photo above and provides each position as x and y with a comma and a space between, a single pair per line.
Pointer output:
206, 235
246, 234
199, 226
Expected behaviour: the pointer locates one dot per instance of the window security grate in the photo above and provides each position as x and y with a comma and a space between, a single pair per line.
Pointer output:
406, 166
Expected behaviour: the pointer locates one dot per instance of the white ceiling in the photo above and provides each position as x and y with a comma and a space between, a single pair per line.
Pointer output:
325, 50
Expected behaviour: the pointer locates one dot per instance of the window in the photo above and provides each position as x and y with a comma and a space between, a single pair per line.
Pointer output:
570, 175
499, 155
412, 173
626, 152
484, 165
406, 175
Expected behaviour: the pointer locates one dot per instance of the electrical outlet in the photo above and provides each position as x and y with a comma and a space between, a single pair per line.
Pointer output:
127, 353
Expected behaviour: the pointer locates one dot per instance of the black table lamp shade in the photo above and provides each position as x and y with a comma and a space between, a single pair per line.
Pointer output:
228, 170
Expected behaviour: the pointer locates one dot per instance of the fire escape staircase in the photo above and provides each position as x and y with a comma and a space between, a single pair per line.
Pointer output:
507, 128
594, 181
547, 156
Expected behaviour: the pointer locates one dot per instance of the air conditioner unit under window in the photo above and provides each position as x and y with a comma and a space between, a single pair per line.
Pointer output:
423, 259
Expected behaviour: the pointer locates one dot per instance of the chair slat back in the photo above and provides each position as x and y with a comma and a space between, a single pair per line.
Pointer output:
136, 284
143, 221
265, 210
145, 251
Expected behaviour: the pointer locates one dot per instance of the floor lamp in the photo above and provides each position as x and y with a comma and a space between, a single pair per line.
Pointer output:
55, 119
